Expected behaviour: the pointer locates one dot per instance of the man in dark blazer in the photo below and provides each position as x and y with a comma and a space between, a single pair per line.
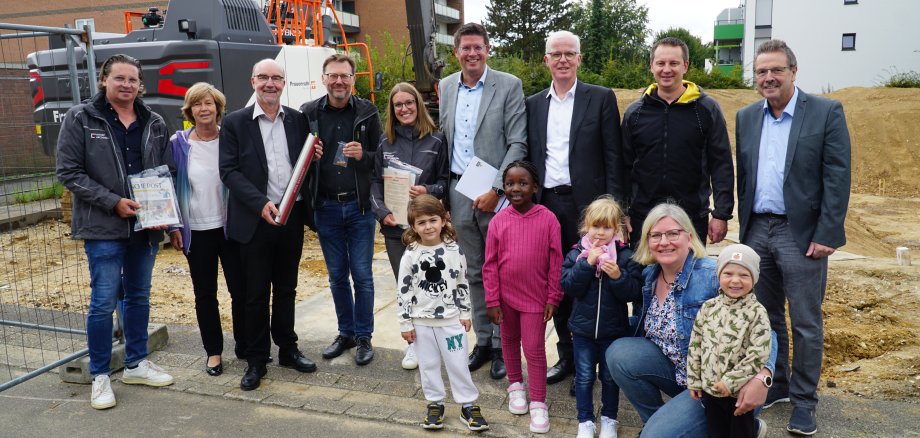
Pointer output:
259, 145
573, 132
793, 188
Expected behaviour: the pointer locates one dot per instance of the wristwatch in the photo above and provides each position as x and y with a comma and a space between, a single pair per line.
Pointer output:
498, 192
766, 380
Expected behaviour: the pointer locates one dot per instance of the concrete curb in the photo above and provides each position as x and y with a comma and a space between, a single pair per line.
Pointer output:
78, 370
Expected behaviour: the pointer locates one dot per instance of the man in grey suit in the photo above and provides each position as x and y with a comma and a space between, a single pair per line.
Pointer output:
482, 115
573, 132
793, 188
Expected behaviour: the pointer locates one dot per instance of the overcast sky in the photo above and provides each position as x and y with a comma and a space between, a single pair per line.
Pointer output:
697, 16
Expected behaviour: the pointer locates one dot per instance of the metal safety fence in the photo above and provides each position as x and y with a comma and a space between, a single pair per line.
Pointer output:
44, 280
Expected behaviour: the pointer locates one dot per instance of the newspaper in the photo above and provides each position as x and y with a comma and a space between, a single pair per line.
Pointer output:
153, 189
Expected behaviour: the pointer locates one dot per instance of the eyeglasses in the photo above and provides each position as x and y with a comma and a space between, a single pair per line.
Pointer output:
777, 71
265, 78
473, 49
555, 56
121, 80
334, 77
672, 235
406, 104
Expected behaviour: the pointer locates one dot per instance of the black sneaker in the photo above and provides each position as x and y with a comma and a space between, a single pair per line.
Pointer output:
473, 418
435, 417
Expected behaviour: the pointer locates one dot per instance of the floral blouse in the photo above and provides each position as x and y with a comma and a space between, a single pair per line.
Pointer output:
661, 329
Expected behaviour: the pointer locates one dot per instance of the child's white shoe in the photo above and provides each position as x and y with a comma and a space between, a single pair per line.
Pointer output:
539, 417
609, 427
517, 399
586, 429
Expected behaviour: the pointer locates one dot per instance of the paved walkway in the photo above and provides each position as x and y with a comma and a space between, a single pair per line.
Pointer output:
344, 399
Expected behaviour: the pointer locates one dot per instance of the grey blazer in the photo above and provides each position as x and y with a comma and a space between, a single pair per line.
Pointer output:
501, 126
816, 184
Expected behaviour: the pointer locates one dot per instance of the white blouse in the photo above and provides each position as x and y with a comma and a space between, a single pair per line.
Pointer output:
206, 203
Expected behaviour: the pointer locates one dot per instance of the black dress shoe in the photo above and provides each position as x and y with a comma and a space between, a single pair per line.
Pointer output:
216, 370
498, 365
253, 377
559, 372
480, 355
338, 346
365, 353
296, 360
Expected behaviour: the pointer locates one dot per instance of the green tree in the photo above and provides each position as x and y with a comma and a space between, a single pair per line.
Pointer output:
520, 26
611, 30
699, 52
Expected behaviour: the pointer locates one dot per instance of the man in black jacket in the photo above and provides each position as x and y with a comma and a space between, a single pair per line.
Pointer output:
102, 141
676, 148
259, 145
573, 130
349, 128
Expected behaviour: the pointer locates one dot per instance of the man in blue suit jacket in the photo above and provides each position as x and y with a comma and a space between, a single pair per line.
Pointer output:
793, 189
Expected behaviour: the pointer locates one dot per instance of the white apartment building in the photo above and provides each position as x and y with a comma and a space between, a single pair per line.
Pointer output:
838, 43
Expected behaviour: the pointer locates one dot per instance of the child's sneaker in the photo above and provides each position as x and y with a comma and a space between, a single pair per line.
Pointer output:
102, 396
146, 373
517, 399
586, 429
472, 416
609, 427
410, 361
435, 417
539, 417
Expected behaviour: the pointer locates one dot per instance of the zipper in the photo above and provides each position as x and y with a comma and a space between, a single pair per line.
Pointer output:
119, 166
597, 321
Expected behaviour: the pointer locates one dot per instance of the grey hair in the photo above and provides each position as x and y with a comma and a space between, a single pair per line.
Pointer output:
560, 34
643, 254
266, 60
772, 46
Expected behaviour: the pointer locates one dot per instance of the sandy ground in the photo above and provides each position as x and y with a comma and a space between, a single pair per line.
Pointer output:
872, 307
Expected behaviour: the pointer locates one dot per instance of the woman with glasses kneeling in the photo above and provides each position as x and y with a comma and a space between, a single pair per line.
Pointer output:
203, 207
678, 278
410, 137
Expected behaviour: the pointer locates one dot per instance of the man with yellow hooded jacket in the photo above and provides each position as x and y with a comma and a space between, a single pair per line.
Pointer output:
675, 148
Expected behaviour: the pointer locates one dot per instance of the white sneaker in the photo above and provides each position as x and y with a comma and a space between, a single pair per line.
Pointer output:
586, 429
539, 417
102, 396
147, 373
410, 362
609, 427
517, 399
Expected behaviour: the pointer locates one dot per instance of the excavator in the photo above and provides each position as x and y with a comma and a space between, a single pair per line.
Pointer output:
218, 41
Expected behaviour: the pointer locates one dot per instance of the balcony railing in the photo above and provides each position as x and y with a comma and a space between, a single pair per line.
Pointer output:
348, 19
442, 38
447, 13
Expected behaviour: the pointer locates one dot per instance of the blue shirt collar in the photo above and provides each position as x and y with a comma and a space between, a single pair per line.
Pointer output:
790, 106
481, 82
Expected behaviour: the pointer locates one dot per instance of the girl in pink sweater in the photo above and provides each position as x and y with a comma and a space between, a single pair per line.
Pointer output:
521, 278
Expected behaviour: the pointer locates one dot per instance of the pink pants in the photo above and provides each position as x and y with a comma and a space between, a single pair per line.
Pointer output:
521, 329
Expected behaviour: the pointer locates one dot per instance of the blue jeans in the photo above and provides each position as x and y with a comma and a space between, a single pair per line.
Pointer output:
588, 354
346, 236
644, 372
117, 266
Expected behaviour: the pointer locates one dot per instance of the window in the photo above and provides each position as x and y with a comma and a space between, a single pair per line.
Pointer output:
849, 41
850, 2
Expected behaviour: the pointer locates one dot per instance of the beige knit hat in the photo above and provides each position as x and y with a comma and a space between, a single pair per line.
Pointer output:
740, 255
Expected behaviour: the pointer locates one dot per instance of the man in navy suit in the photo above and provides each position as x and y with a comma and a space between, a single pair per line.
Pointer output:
259, 145
573, 132
793, 189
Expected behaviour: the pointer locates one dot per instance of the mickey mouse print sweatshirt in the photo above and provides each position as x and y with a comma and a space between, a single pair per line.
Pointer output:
432, 289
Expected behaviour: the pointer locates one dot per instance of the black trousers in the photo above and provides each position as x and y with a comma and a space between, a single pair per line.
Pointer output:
395, 251
270, 262
722, 422
568, 214
207, 248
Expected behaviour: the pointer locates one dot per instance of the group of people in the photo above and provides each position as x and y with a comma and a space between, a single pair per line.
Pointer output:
602, 214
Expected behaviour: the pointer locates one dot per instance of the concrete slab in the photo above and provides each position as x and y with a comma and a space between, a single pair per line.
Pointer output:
78, 370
